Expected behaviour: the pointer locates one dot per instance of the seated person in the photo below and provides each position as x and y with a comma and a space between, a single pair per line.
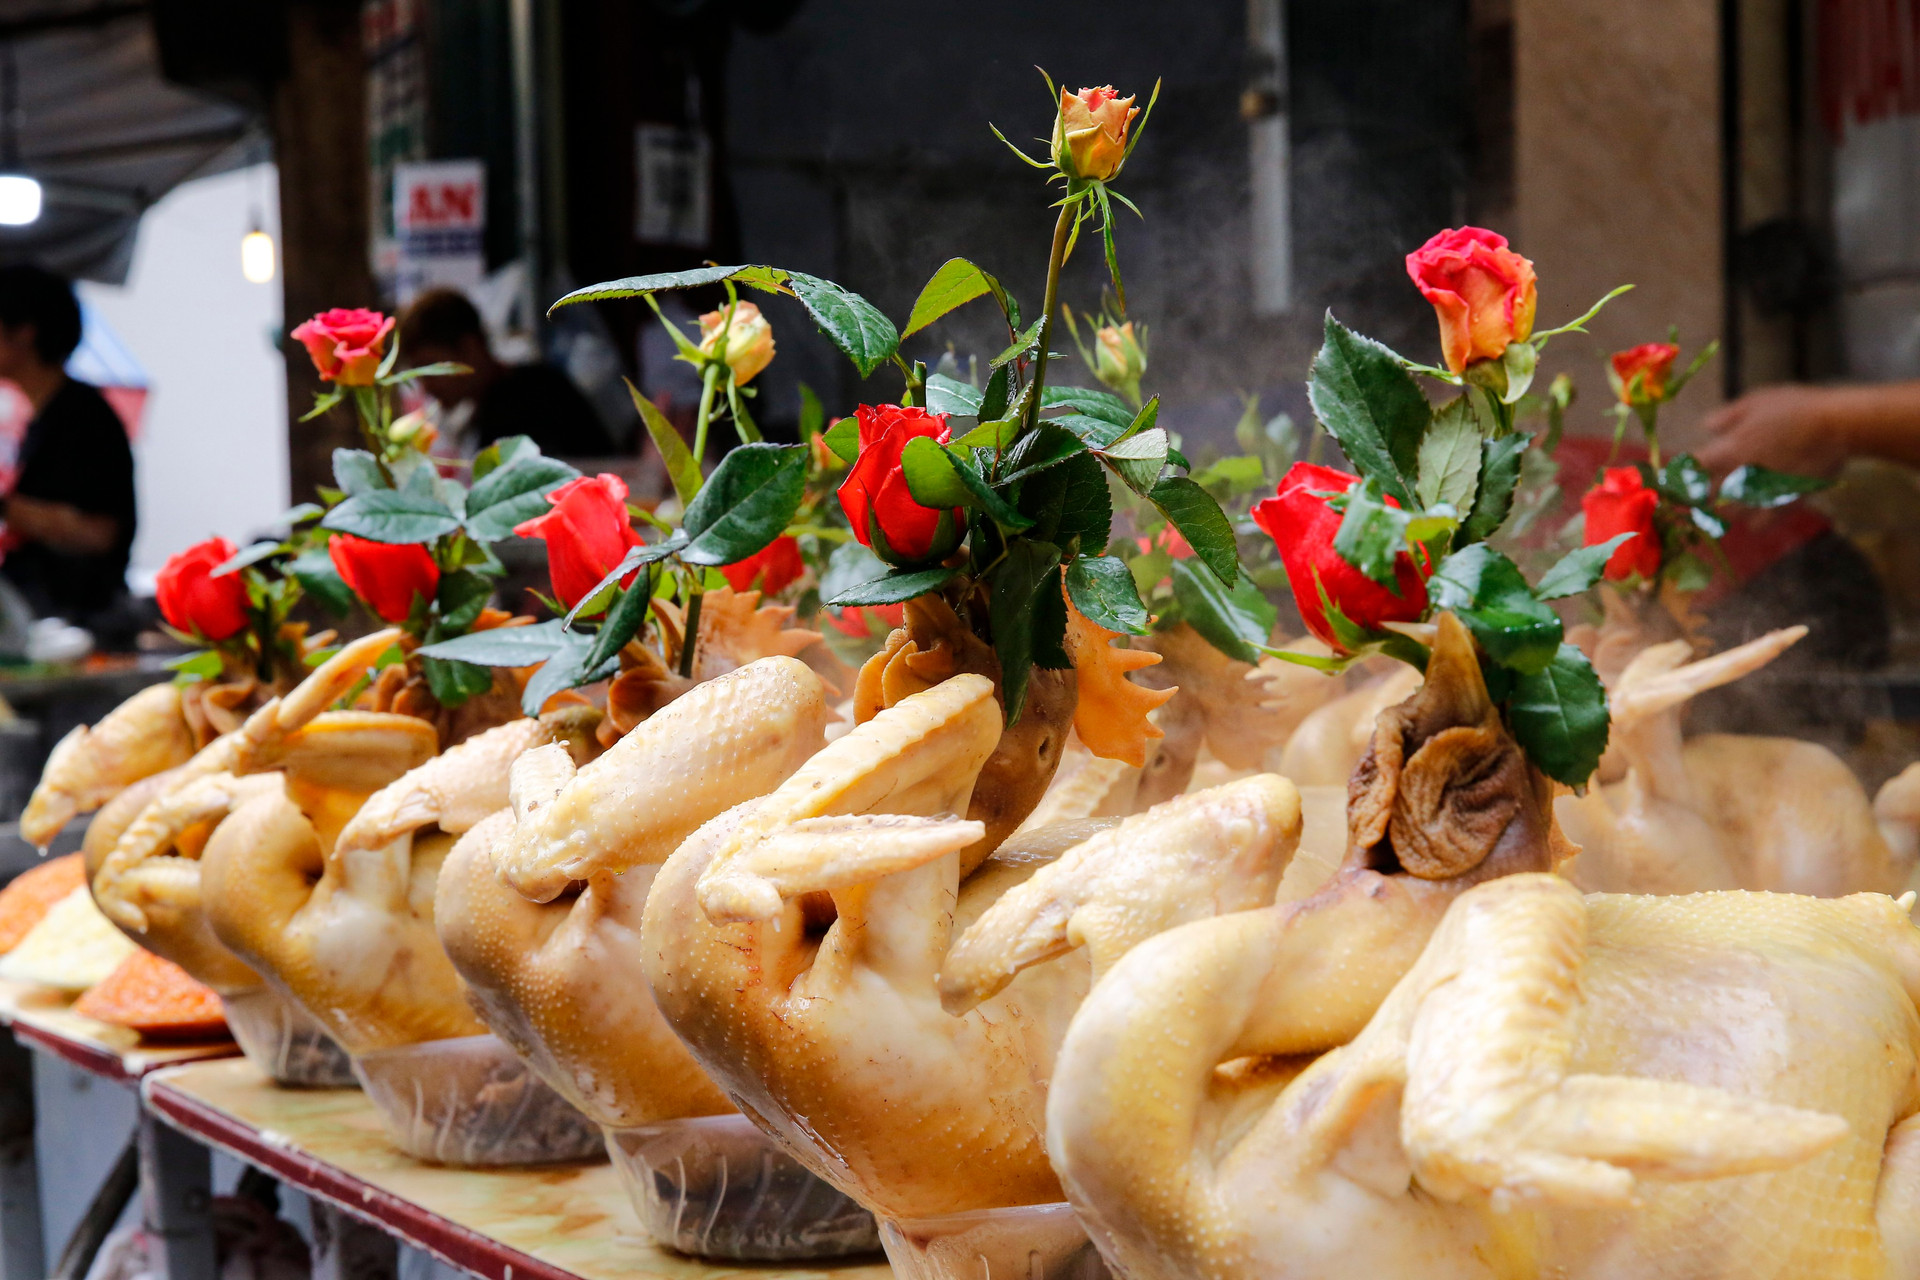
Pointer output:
534, 400
71, 516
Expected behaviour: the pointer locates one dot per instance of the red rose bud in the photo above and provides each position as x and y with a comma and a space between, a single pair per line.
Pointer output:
875, 491
1622, 503
387, 575
1090, 133
852, 620
588, 533
1652, 361
1482, 291
346, 344
773, 568
1303, 526
192, 600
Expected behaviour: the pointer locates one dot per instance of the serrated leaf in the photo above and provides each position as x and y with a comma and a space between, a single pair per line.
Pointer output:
1371, 405
639, 286
848, 566
955, 284
1559, 717
651, 553
502, 646
950, 395
1021, 345
1097, 432
746, 503
1578, 570
1138, 460
989, 435
387, 515
683, 469
1192, 511
1025, 571
993, 401
843, 438
1047, 446
931, 476
1450, 457
462, 594
1103, 590
1764, 487
1069, 502
452, 683
623, 623
894, 587
357, 472
1233, 620
1681, 479
500, 453
513, 494
985, 497
1493, 498
1488, 593
1104, 405
851, 323
1372, 535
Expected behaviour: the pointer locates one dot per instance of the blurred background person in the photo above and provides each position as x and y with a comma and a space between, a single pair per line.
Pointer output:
1814, 430
71, 517
495, 399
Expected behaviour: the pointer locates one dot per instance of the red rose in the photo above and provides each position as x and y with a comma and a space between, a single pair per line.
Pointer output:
387, 575
588, 533
1482, 291
347, 344
192, 600
776, 565
1303, 526
875, 490
1622, 503
1653, 361
852, 620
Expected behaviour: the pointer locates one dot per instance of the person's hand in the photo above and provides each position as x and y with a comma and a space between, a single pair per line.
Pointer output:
1788, 428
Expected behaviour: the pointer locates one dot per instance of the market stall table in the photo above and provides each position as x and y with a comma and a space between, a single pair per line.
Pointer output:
553, 1223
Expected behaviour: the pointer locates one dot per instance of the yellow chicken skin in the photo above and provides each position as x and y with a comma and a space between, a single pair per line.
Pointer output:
800, 945
335, 906
560, 979
1708, 1087
145, 735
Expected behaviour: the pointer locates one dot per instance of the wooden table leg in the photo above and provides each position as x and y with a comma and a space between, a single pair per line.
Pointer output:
176, 1195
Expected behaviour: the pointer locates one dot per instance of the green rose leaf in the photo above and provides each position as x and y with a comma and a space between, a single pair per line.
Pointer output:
357, 472
1103, 405
1097, 432
950, 395
843, 437
1138, 460
893, 588
1371, 405
1559, 717
1519, 362
566, 669
1192, 511
252, 555
501, 646
1069, 502
931, 475
983, 495
388, 515
1450, 457
1682, 480
851, 323
764, 278
463, 593
1049, 446
750, 497
1022, 345
683, 469
989, 435
1235, 621
1578, 570
1372, 534
1764, 487
1103, 590
502, 451
850, 565
1488, 593
955, 284
513, 494
1027, 571
205, 664
454, 682
1143, 421
1493, 499
315, 573
650, 553
623, 621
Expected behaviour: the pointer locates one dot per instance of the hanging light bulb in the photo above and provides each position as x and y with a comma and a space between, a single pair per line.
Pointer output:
20, 200
256, 255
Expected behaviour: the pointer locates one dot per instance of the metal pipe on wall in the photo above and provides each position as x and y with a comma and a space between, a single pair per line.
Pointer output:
526, 155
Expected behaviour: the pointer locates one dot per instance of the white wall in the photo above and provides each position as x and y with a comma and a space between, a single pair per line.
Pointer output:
212, 453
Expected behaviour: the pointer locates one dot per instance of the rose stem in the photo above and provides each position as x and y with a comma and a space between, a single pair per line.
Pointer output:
707, 383
690, 640
1061, 229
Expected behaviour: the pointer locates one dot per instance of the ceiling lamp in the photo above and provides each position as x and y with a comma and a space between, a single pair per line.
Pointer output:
256, 255
20, 196
20, 201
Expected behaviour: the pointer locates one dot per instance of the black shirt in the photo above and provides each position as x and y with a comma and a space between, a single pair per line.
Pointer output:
75, 452
540, 402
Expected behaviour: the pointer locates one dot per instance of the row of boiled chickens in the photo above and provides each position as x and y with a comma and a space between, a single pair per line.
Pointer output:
1245, 1027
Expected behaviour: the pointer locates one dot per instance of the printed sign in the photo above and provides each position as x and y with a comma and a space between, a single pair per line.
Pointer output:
439, 219
674, 171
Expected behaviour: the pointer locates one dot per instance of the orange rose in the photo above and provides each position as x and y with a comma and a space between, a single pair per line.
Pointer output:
749, 340
1482, 291
1090, 133
346, 344
1652, 362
